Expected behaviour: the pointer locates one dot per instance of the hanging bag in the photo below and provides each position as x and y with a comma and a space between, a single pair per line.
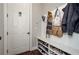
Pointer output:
56, 28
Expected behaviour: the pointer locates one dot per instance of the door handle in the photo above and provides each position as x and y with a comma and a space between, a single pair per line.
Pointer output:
28, 33
0, 37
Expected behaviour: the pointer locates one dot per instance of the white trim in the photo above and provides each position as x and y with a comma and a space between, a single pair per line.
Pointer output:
16, 51
30, 17
34, 48
5, 28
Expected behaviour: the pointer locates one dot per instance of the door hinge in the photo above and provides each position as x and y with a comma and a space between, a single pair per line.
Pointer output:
7, 33
7, 50
7, 15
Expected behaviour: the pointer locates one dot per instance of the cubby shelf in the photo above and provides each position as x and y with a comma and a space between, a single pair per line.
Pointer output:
49, 49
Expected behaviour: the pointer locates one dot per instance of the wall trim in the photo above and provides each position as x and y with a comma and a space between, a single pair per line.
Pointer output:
34, 48
30, 17
5, 29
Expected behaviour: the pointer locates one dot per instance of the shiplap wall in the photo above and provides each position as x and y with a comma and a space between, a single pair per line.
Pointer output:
36, 22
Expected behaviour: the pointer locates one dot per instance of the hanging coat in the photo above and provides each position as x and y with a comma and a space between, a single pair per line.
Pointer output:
70, 22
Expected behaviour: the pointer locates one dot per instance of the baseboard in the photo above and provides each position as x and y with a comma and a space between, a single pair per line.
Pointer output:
33, 48
17, 51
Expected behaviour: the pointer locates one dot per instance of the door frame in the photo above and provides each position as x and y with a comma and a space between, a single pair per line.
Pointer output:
5, 28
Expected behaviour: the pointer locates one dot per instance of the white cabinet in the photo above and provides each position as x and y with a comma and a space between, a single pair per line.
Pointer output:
47, 49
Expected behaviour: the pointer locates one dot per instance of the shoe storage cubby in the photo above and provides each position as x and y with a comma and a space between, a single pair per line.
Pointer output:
47, 49
43, 47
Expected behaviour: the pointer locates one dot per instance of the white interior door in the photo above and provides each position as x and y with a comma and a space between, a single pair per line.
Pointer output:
18, 28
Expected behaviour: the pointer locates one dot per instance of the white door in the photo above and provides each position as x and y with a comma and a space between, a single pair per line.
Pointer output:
18, 28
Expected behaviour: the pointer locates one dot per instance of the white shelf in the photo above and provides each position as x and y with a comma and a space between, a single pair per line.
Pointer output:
41, 52
66, 43
50, 49
43, 49
43, 45
56, 52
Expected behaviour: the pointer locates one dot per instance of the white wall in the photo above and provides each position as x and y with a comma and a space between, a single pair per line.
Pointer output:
36, 22
1, 28
39, 9
50, 6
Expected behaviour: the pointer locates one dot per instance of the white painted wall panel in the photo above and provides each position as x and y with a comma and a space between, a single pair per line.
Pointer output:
1, 28
36, 22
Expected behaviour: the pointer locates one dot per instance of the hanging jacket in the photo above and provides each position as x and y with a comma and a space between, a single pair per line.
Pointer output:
70, 21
